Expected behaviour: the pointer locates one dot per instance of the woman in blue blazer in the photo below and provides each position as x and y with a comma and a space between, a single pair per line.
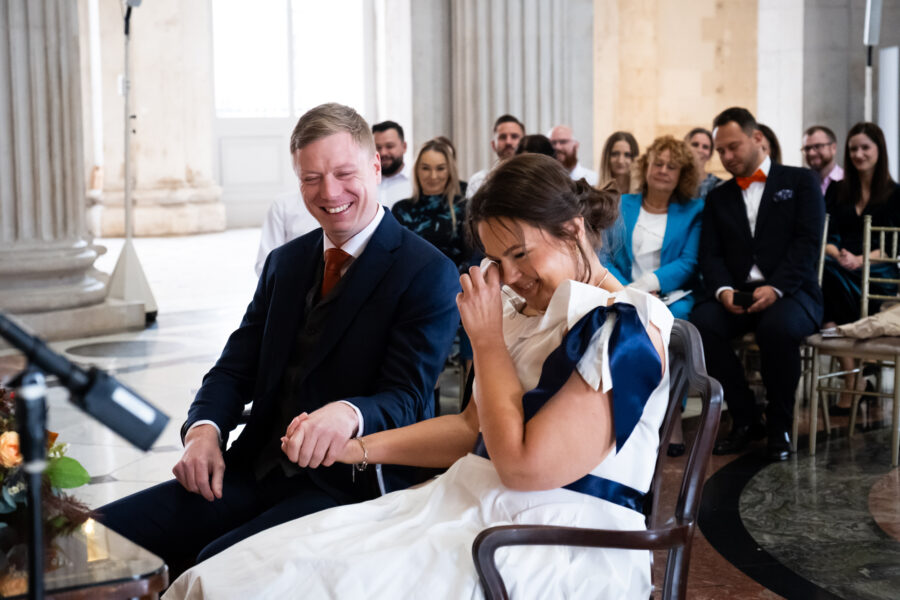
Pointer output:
655, 244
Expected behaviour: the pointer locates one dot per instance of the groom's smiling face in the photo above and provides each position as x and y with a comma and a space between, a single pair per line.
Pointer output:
339, 183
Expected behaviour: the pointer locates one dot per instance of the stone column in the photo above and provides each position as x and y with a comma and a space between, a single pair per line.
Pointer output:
46, 256
172, 102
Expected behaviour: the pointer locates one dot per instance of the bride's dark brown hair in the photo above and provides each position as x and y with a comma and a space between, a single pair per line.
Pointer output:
537, 190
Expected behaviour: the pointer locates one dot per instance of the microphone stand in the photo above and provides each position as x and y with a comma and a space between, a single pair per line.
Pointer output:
95, 392
31, 414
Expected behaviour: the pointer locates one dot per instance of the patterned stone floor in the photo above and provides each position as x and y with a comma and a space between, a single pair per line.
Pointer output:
814, 527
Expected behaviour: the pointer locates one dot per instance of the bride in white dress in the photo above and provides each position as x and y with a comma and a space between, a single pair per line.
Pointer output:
578, 449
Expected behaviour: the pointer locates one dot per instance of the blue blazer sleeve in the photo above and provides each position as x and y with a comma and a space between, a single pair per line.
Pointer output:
616, 254
231, 383
416, 351
680, 246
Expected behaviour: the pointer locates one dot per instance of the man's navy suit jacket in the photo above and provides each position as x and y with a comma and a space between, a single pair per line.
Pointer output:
382, 347
785, 245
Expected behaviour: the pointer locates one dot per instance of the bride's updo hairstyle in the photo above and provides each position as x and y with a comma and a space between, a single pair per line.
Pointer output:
537, 190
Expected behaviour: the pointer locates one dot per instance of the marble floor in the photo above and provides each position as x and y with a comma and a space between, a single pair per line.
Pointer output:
813, 527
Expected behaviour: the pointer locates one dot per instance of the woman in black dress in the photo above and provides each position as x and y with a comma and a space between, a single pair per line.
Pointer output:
867, 189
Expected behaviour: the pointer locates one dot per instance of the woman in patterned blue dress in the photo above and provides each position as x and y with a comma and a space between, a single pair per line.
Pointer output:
436, 211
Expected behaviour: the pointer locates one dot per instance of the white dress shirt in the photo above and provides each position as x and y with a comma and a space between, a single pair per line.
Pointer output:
395, 188
646, 245
354, 247
475, 182
752, 198
578, 172
287, 219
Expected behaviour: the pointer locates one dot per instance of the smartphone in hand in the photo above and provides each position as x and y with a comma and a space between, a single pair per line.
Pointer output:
743, 299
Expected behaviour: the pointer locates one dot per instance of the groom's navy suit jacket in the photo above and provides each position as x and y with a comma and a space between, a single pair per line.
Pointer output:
382, 346
785, 245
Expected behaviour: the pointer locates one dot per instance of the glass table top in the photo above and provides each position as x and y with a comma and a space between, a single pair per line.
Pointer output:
93, 556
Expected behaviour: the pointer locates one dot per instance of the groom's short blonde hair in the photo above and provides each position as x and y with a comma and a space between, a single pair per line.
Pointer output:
329, 119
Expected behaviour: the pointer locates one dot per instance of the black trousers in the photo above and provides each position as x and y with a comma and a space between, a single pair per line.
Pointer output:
183, 528
779, 331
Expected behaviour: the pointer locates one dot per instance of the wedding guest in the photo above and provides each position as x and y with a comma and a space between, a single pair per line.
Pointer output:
436, 211
508, 130
866, 190
661, 234
770, 143
463, 185
701, 143
662, 226
819, 151
619, 152
569, 452
536, 144
563, 139
759, 241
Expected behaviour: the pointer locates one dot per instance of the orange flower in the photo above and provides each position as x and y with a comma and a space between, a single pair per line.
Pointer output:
10, 456
51, 438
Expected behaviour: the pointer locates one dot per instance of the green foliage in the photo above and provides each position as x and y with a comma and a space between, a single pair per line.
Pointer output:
65, 472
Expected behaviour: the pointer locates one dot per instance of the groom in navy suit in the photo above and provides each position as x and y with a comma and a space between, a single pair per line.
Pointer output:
758, 250
346, 334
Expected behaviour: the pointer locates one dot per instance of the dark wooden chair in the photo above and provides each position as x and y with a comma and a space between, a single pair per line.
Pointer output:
672, 530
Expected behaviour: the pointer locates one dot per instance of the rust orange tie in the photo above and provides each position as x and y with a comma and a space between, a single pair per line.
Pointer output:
744, 182
335, 259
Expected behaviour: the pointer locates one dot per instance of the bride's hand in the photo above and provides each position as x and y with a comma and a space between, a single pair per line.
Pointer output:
480, 305
351, 453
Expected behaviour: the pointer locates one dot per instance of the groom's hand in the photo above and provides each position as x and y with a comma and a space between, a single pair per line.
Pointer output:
319, 437
201, 467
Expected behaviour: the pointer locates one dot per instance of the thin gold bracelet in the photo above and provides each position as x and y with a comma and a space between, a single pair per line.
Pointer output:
361, 466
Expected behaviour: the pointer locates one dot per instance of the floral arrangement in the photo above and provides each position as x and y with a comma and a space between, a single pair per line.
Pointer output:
62, 513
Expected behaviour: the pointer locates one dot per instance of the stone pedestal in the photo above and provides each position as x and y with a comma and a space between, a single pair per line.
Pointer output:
172, 181
46, 256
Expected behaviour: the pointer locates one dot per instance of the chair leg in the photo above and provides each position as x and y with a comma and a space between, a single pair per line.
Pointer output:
814, 403
895, 434
795, 427
854, 405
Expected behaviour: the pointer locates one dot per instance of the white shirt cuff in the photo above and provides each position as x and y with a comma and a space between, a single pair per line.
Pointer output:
777, 291
359, 417
206, 422
722, 289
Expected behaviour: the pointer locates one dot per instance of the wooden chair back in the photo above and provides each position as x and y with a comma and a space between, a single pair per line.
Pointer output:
673, 531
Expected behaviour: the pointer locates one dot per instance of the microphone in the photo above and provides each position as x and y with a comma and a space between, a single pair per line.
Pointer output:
93, 390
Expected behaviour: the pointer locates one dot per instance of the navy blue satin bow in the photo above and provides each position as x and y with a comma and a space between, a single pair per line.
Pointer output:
633, 362
636, 370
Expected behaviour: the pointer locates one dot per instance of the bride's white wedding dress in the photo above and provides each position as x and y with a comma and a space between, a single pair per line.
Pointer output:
417, 543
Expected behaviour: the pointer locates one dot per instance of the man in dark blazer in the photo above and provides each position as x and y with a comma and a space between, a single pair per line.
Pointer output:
758, 250
334, 348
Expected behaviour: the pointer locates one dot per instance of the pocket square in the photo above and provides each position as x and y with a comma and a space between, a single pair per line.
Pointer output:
782, 195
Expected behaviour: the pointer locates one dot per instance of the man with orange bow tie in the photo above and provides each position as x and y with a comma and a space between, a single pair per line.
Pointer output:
758, 251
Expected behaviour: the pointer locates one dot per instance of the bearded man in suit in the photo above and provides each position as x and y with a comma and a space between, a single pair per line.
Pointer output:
346, 334
758, 250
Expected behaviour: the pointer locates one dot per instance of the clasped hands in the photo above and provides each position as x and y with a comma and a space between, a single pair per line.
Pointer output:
312, 439
849, 261
763, 297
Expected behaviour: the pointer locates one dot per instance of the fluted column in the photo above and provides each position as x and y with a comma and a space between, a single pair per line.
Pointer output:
46, 256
